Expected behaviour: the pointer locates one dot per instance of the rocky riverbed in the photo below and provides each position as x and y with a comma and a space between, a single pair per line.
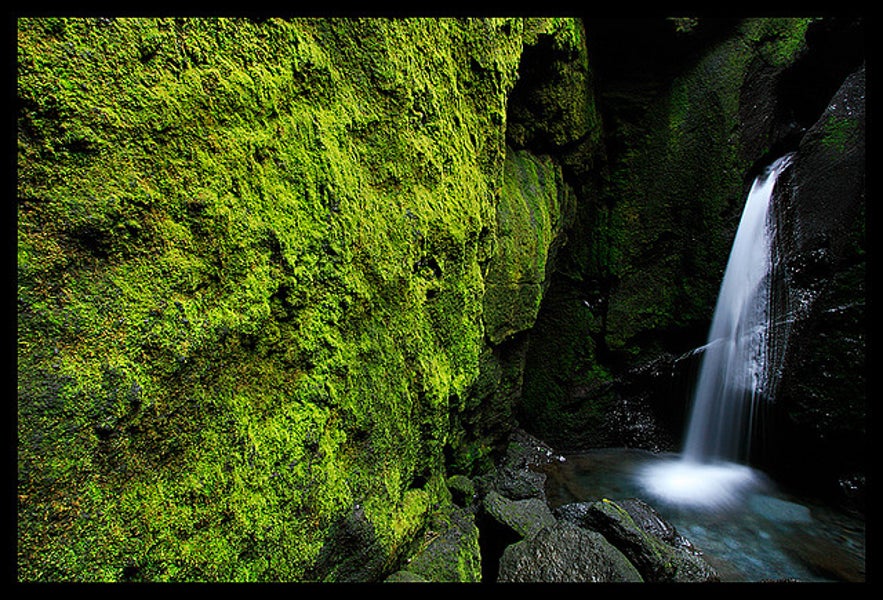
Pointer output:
521, 539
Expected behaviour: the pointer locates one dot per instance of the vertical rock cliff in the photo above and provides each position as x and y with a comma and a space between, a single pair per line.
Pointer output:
250, 287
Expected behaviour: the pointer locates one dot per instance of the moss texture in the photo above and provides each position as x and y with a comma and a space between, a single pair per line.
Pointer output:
534, 214
249, 285
531, 217
678, 190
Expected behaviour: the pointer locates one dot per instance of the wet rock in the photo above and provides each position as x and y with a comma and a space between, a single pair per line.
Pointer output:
565, 553
646, 517
519, 475
519, 484
658, 552
821, 403
525, 516
450, 556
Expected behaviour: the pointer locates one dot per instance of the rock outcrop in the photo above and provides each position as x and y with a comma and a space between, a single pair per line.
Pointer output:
603, 541
821, 401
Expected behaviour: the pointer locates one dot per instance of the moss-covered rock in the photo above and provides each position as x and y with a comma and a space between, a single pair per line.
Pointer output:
450, 555
525, 516
656, 560
553, 134
566, 553
534, 211
531, 216
678, 192
249, 286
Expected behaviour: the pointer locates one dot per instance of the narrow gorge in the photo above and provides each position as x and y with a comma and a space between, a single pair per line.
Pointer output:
389, 299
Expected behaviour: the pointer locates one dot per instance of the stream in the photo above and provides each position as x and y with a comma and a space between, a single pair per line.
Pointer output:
760, 534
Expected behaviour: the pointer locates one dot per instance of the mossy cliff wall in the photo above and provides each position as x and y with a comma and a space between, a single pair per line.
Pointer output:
257, 265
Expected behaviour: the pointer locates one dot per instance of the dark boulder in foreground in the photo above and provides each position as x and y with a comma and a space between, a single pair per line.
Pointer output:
566, 553
652, 545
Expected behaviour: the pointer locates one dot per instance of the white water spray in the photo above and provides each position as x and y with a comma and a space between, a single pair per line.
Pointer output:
734, 376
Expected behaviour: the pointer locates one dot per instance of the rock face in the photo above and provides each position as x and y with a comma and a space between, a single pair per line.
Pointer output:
821, 400
641, 277
253, 259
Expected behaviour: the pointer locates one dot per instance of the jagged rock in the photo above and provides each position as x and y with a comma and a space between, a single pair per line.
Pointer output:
520, 484
655, 548
526, 451
565, 553
525, 516
646, 517
519, 474
450, 557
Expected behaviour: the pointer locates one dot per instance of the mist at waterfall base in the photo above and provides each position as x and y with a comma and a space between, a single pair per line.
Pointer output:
734, 378
747, 528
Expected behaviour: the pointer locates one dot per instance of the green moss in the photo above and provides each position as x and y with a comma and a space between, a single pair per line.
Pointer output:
677, 190
450, 553
552, 108
566, 389
249, 283
779, 40
837, 132
530, 220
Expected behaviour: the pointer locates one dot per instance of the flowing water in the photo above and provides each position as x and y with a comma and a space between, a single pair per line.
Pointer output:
749, 530
735, 379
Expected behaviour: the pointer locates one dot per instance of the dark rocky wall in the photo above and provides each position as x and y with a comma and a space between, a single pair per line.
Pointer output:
821, 402
639, 278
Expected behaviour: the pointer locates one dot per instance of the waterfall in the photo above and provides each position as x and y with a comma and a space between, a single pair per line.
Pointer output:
736, 371
734, 376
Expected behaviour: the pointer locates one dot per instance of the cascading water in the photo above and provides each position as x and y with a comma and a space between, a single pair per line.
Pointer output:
735, 374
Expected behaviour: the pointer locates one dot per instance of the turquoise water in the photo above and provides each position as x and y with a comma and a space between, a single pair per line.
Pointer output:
757, 533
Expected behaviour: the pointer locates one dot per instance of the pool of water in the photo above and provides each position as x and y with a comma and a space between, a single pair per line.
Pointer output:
746, 527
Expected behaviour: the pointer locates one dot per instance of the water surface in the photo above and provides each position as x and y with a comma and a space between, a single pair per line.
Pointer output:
745, 526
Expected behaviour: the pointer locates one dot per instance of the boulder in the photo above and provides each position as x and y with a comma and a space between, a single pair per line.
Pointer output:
565, 553
525, 516
652, 545
450, 556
